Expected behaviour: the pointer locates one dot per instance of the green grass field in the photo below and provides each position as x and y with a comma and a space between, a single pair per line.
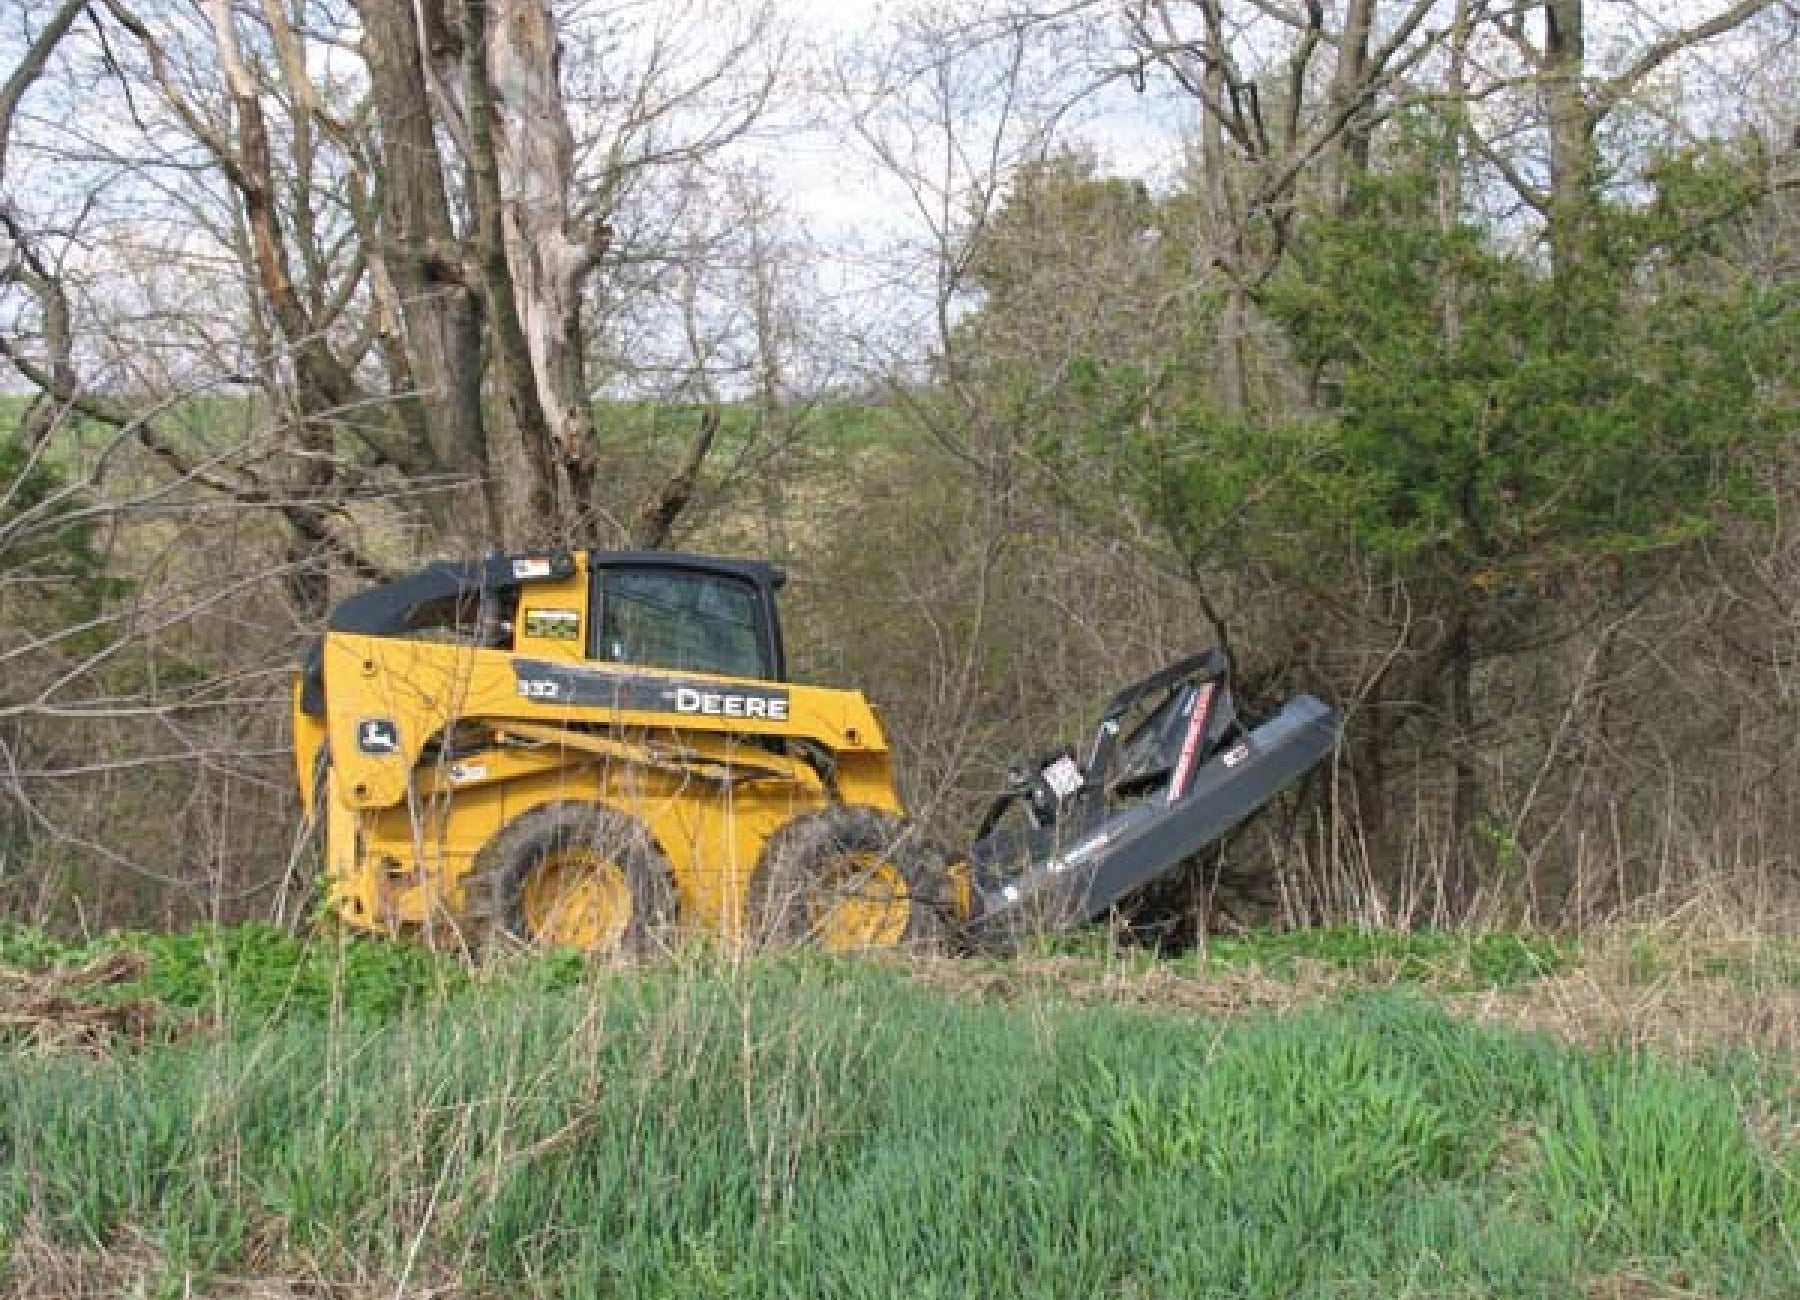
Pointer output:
370, 1116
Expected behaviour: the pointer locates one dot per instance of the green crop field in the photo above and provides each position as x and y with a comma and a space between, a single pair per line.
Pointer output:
282, 1115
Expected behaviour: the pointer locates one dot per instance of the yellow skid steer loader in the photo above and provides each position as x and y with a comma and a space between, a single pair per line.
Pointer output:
598, 749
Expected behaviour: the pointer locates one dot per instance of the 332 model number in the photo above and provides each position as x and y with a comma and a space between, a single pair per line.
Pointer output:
540, 688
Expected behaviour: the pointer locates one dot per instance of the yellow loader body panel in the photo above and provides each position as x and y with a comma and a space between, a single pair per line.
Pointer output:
426, 751
602, 749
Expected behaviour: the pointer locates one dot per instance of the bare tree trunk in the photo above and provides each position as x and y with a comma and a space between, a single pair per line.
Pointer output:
501, 95
1573, 165
547, 252
551, 510
31, 66
1460, 875
421, 255
657, 519
486, 73
1349, 85
771, 489
1575, 111
1227, 223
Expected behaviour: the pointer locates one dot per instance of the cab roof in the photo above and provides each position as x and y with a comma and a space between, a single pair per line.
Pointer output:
386, 609
390, 608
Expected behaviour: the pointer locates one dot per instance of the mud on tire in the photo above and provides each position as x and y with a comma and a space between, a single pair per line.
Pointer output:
558, 837
847, 859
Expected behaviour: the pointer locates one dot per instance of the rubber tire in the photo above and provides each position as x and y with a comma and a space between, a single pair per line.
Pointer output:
798, 853
496, 886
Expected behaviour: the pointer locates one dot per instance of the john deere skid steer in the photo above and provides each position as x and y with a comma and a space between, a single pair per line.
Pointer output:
600, 749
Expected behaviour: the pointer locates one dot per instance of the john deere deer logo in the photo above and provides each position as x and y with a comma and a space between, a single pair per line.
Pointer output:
377, 736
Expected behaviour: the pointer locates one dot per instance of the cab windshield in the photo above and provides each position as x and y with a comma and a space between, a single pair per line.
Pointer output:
691, 622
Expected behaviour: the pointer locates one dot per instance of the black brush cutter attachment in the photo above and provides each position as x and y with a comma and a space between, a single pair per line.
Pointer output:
1172, 768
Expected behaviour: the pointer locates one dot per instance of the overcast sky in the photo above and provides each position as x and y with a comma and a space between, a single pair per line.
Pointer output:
858, 221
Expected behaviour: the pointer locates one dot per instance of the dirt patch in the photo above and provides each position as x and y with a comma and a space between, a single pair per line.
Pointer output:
40, 1268
1637, 1286
320, 1288
70, 1008
1683, 1016
1084, 982
1594, 1005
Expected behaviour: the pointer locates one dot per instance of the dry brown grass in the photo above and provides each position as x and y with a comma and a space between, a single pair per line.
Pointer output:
1687, 984
1087, 982
1673, 1015
1710, 911
66, 1009
1635, 1286
40, 1268
1693, 981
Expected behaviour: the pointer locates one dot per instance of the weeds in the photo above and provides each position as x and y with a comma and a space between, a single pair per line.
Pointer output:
1657, 1164
258, 972
1438, 957
810, 1127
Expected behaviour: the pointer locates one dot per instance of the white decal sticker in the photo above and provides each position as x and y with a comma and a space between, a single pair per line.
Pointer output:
553, 624
1232, 757
532, 568
1063, 776
721, 704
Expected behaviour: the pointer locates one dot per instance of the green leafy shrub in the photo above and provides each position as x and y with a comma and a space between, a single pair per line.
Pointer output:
258, 970
255, 971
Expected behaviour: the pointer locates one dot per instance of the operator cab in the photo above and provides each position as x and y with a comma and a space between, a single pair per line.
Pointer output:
688, 613
656, 609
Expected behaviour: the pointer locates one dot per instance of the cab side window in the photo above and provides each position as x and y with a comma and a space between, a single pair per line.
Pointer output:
692, 622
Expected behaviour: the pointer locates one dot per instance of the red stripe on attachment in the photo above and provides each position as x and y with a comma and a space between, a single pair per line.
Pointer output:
1196, 728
